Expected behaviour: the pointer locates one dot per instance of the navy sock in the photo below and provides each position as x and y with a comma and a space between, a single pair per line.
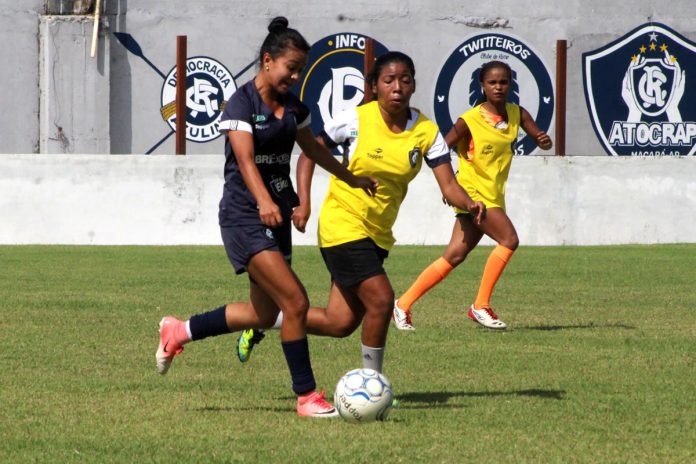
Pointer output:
297, 357
208, 324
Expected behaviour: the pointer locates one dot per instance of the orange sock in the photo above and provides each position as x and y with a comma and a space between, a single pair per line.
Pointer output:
431, 276
495, 265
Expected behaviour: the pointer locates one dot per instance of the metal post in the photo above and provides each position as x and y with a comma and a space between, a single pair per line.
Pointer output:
367, 66
181, 95
561, 66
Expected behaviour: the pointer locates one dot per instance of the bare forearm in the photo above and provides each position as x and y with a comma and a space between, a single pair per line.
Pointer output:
305, 171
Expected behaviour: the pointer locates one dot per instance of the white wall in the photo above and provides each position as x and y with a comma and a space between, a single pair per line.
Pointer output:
166, 199
111, 104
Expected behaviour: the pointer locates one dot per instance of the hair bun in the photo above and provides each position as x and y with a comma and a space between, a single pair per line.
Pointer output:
278, 24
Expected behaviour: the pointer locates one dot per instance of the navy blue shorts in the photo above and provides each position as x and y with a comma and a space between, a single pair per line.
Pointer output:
353, 262
243, 242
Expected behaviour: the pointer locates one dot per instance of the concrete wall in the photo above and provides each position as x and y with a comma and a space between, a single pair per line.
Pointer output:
19, 76
157, 200
111, 104
59, 100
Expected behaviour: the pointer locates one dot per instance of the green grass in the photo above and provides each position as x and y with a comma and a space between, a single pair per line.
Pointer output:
599, 364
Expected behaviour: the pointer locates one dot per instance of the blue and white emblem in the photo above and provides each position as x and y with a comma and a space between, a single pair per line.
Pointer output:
209, 85
636, 93
458, 87
333, 80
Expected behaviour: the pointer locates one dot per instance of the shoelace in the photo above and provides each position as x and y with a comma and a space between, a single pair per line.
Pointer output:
491, 313
408, 318
318, 400
257, 337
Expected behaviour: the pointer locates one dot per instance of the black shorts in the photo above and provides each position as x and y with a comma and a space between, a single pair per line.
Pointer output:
243, 242
353, 262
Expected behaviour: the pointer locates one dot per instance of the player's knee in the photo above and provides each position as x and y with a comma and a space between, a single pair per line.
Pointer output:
456, 259
456, 256
382, 304
345, 327
511, 243
295, 308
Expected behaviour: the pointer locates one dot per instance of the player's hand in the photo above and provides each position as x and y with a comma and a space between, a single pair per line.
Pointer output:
368, 184
543, 140
300, 216
478, 211
269, 213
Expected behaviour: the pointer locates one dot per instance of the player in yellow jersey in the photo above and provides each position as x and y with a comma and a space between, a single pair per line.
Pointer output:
387, 140
483, 136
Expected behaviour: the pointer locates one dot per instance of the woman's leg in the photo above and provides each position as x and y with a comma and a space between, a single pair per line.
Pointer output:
377, 297
265, 267
465, 237
340, 318
371, 302
498, 226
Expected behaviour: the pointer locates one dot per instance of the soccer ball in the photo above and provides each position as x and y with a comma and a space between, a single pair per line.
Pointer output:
363, 395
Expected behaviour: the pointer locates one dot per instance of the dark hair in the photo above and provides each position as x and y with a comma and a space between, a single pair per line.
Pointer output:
484, 70
492, 65
388, 58
281, 37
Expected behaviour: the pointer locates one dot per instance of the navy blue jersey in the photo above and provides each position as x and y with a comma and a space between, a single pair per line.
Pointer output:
273, 142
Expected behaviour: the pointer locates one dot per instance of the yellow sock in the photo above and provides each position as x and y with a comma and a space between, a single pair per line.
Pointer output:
495, 265
431, 276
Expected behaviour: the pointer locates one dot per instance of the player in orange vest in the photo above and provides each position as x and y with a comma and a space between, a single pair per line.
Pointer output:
484, 136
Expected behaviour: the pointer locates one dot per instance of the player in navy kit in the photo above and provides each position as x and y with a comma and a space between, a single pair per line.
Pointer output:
390, 140
263, 120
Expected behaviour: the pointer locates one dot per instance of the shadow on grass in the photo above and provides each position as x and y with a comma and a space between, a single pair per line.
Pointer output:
440, 399
244, 409
414, 400
589, 325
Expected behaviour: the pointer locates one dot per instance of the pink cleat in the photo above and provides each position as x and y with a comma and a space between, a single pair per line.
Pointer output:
314, 405
170, 345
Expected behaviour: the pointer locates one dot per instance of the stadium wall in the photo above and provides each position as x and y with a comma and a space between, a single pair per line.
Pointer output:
59, 100
172, 200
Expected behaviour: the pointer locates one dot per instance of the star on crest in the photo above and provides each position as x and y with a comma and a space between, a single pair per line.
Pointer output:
642, 49
663, 47
653, 46
653, 37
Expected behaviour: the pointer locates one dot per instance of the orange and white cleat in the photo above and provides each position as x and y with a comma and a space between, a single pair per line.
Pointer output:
169, 347
314, 405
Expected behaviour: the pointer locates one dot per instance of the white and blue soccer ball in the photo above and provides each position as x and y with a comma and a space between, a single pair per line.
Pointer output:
363, 395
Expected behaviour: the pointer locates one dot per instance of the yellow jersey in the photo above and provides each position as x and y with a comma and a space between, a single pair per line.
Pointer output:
484, 165
350, 214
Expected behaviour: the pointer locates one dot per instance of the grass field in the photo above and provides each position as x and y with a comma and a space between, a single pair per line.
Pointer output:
599, 364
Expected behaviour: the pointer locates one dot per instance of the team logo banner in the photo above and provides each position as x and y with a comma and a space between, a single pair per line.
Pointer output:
208, 86
458, 87
333, 80
636, 93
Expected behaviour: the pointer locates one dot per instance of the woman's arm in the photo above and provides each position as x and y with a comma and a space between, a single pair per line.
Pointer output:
460, 131
455, 195
320, 154
528, 124
305, 171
